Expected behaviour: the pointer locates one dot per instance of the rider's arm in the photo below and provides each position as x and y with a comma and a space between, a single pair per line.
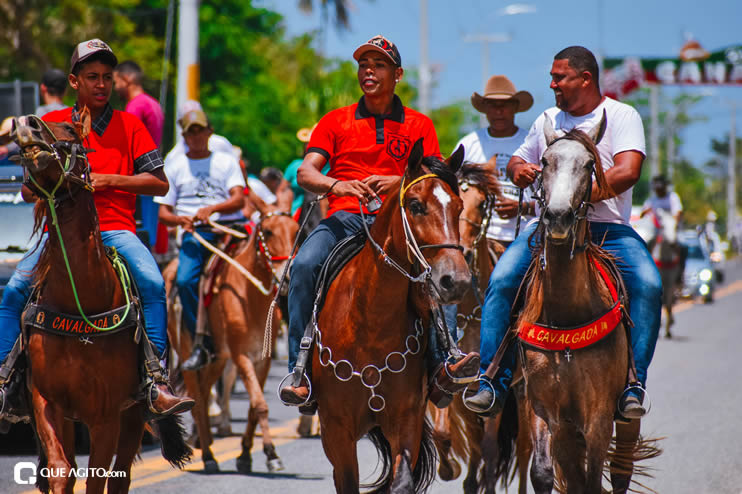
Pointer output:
311, 178
152, 183
626, 170
168, 217
231, 205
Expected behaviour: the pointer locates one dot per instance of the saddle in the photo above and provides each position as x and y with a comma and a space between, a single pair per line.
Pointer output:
214, 267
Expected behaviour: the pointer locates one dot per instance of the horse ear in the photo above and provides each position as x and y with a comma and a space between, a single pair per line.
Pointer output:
416, 157
597, 133
83, 126
549, 131
455, 161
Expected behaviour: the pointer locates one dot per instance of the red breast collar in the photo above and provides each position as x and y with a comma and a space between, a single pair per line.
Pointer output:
557, 339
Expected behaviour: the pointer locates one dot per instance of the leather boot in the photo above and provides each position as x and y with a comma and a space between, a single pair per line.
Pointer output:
200, 357
162, 402
485, 403
631, 404
295, 395
449, 379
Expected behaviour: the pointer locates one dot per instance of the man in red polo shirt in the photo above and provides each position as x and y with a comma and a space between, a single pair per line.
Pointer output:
367, 145
126, 162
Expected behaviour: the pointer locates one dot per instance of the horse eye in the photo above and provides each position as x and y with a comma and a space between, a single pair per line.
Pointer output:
267, 233
544, 162
416, 207
590, 164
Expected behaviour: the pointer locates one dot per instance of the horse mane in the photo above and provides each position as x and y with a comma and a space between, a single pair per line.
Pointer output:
584, 139
479, 175
534, 299
438, 167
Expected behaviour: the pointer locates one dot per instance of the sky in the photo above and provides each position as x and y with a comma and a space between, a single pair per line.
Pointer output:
643, 28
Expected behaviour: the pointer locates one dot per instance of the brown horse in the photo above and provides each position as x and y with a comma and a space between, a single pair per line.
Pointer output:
91, 378
237, 317
459, 432
573, 282
364, 337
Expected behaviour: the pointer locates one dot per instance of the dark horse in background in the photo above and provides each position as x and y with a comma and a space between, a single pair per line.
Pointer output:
574, 292
369, 371
93, 378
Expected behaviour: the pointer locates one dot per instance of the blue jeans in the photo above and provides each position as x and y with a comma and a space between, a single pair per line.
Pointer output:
144, 271
306, 267
191, 260
640, 275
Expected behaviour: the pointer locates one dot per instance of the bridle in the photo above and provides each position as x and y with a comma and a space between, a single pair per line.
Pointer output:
579, 213
262, 246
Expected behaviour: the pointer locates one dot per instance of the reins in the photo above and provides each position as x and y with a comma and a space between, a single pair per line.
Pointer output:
118, 264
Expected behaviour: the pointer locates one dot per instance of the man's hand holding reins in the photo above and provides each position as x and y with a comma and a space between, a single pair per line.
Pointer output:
521, 173
382, 184
354, 188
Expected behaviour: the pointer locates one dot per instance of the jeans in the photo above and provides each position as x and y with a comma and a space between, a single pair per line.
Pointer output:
191, 260
306, 267
639, 273
144, 271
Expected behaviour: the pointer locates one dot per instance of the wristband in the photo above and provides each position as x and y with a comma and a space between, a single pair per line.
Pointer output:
331, 187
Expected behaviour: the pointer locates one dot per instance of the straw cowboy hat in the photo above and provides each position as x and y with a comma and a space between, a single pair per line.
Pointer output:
306, 133
499, 87
5, 129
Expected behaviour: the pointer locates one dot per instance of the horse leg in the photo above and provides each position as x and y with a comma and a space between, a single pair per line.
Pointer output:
542, 468
304, 429
199, 387
478, 434
128, 446
490, 453
523, 446
597, 440
449, 468
50, 428
622, 461
229, 376
670, 318
258, 412
403, 482
104, 437
340, 449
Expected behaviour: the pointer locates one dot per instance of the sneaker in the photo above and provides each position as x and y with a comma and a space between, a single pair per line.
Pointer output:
631, 404
198, 359
163, 402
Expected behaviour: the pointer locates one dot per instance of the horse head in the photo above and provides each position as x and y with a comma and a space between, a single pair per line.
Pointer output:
276, 232
568, 165
430, 208
479, 189
46, 143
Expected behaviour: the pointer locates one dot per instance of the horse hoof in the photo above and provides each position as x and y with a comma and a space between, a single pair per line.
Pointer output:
224, 430
211, 466
449, 470
244, 465
274, 465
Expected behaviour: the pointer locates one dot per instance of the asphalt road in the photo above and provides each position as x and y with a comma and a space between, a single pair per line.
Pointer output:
695, 385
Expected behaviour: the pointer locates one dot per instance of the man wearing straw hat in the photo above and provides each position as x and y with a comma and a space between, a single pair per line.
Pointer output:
204, 185
496, 144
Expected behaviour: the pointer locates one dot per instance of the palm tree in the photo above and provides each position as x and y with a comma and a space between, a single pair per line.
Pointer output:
341, 18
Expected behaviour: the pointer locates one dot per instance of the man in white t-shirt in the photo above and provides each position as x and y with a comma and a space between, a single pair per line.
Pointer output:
499, 141
579, 104
663, 198
203, 185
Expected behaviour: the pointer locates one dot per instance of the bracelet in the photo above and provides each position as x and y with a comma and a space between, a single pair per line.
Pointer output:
331, 187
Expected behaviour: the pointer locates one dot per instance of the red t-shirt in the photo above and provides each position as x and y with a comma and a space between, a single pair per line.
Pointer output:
122, 146
358, 144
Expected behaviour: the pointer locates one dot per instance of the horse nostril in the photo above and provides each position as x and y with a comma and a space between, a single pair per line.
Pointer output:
447, 282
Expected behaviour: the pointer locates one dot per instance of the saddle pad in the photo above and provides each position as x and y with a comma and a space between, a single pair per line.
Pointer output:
214, 267
340, 255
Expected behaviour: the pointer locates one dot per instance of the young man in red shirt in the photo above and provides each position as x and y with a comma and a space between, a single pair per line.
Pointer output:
367, 145
126, 162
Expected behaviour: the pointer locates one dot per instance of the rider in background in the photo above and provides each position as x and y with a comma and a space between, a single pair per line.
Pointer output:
126, 162
665, 199
356, 141
579, 104
204, 185
498, 142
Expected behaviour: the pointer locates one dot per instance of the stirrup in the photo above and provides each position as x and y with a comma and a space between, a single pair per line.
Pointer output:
464, 396
619, 417
284, 382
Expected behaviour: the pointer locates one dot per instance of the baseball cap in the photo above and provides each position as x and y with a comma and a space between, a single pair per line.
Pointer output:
382, 45
194, 117
86, 49
188, 105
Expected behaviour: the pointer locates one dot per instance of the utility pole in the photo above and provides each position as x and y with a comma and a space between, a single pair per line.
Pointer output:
654, 139
425, 76
486, 39
188, 70
670, 125
731, 171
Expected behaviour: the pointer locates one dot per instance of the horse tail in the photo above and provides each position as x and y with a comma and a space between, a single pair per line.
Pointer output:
423, 474
173, 445
621, 459
42, 481
465, 427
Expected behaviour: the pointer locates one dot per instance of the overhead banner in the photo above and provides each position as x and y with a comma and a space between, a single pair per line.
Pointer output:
694, 66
